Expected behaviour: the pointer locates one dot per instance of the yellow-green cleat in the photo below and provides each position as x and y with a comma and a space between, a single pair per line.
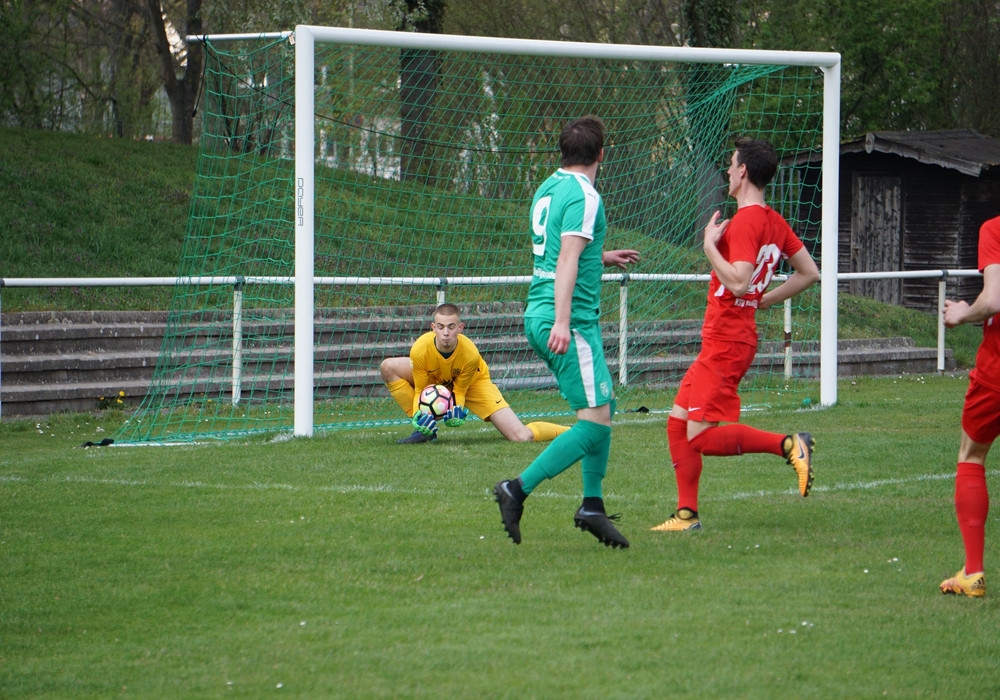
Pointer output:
683, 520
798, 449
973, 586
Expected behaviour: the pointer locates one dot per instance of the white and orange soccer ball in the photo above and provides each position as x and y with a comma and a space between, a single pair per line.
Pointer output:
436, 399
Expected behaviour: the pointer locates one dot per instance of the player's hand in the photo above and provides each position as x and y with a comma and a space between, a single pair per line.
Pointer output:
455, 416
424, 423
954, 312
559, 338
715, 229
619, 258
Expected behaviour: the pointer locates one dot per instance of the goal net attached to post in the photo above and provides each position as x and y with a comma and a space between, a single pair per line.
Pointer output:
350, 180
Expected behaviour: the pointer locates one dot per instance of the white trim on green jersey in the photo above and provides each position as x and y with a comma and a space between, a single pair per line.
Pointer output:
566, 204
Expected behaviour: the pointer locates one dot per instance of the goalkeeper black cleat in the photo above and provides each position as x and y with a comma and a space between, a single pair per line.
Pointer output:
600, 526
417, 438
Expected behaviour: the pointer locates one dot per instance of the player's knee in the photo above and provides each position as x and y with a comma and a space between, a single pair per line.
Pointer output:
521, 433
386, 368
517, 432
524, 435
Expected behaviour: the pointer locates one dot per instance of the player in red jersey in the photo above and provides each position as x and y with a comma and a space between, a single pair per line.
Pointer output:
744, 253
980, 415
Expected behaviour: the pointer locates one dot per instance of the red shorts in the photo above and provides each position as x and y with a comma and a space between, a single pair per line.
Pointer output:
981, 413
708, 391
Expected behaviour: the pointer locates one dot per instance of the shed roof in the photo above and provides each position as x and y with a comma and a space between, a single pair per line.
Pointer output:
964, 150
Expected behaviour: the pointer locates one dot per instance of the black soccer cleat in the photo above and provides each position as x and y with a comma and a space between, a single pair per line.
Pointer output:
416, 438
600, 526
510, 510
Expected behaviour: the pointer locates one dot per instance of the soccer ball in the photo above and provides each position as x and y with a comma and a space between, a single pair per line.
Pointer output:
436, 399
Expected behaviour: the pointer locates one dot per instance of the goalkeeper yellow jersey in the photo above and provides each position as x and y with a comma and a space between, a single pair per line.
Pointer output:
457, 371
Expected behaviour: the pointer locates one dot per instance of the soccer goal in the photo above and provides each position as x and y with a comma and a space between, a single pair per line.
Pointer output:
350, 180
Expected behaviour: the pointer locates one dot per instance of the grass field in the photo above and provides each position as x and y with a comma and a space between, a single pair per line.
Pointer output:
348, 566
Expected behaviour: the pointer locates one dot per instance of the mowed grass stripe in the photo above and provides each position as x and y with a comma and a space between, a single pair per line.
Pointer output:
347, 566
393, 489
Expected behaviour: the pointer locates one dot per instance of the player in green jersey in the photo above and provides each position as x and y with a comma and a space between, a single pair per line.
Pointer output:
561, 320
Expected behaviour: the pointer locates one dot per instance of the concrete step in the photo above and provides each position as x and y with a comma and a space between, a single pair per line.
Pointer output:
52, 362
40, 399
75, 367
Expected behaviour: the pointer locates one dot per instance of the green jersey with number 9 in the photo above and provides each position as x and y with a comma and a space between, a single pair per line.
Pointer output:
566, 204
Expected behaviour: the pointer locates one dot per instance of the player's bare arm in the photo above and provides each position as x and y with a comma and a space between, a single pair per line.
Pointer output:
566, 272
986, 305
805, 275
735, 276
619, 258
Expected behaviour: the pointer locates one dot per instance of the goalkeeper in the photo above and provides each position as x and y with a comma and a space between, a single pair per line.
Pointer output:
444, 355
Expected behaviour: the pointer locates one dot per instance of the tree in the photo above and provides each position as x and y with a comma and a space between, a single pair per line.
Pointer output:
648, 22
180, 71
418, 79
710, 23
24, 63
907, 64
972, 64
707, 23
130, 81
892, 53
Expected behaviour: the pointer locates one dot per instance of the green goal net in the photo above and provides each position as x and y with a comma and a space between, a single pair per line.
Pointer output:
425, 161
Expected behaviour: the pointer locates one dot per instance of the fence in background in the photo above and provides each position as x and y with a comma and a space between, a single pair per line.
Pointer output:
442, 283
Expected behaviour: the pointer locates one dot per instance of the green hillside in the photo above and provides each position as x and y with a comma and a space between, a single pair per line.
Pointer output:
81, 206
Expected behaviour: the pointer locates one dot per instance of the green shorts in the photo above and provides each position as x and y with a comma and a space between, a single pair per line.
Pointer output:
582, 372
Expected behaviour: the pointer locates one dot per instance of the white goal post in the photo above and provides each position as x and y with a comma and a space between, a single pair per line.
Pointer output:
306, 38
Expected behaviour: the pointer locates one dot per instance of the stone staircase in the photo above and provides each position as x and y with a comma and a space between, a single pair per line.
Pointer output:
52, 362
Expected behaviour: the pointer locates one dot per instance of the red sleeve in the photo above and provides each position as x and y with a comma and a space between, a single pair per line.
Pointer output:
989, 243
740, 234
756, 227
793, 244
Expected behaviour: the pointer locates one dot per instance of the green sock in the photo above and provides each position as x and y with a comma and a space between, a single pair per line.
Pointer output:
585, 440
594, 466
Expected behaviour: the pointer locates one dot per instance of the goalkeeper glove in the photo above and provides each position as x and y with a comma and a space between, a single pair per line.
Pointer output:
424, 423
455, 416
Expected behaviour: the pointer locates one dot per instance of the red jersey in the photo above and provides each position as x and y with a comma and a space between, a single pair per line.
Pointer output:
987, 369
758, 235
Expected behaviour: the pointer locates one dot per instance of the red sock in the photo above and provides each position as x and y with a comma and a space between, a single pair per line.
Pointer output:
972, 505
736, 439
687, 463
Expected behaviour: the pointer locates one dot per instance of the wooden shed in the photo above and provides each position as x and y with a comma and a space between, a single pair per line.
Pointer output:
915, 201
